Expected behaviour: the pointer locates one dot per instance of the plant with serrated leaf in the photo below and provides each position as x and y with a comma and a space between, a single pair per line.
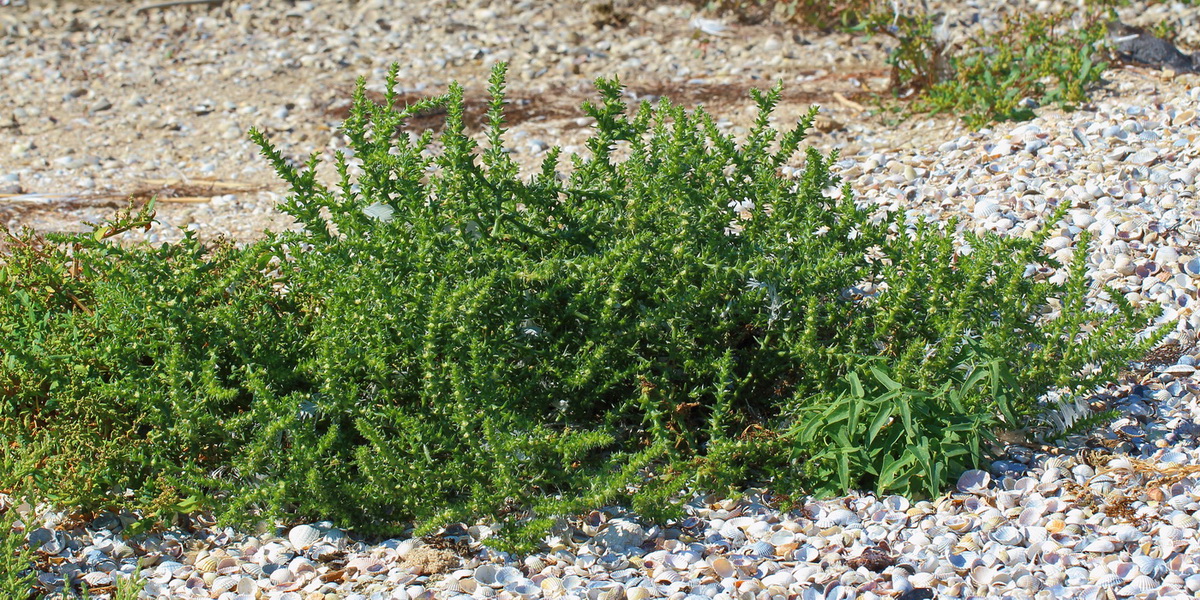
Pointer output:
442, 339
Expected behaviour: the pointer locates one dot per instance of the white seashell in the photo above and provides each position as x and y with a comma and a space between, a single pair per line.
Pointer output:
1140, 585
983, 576
638, 593
1009, 536
222, 584
1178, 370
282, 576
1184, 520
974, 481
1192, 582
721, 566
525, 588
985, 208
760, 549
1058, 243
896, 503
303, 537
1150, 566
782, 537
552, 587
1102, 545
1127, 533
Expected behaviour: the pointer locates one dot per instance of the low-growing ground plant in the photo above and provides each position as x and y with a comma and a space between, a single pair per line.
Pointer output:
444, 340
1031, 61
1034, 59
17, 574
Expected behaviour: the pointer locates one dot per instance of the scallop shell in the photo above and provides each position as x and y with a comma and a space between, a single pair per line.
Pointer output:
1101, 545
721, 566
1009, 536
638, 593
1150, 566
974, 480
207, 564
1184, 520
552, 587
303, 537
222, 584
1127, 533
1140, 585
985, 208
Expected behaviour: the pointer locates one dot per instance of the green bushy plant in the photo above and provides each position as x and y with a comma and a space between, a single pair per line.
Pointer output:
442, 340
17, 573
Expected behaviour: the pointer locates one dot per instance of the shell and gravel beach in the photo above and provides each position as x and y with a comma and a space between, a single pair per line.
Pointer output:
107, 100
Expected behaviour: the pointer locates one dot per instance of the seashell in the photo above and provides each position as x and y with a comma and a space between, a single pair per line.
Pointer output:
974, 481
486, 574
1183, 520
762, 549
1009, 536
207, 564
1101, 545
721, 566
983, 576
782, 537
667, 576
1058, 243
1030, 515
968, 543
1140, 585
282, 576
1127, 533
1150, 566
526, 588
252, 569
303, 537
1179, 370
638, 593
98, 579
1035, 535
223, 584
943, 543
985, 208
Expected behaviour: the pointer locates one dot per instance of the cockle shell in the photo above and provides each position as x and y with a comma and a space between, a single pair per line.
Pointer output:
303, 537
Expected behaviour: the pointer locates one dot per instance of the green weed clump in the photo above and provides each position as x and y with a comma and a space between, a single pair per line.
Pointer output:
442, 340
17, 573
1032, 60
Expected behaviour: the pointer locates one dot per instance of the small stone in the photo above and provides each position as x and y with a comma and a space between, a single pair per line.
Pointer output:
100, 106
68, 162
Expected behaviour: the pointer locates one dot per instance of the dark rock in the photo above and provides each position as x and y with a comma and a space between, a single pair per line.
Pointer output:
1138, 46
917, 594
